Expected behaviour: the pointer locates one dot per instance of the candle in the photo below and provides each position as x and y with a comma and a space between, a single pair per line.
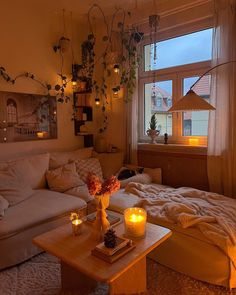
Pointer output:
76, 223
76, 226
193, 141
135, 222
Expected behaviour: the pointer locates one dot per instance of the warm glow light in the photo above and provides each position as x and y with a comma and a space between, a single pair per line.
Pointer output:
116, 69
76, 221
135, 222
193, 141
97, 101
74, 83
136, 218
41, 134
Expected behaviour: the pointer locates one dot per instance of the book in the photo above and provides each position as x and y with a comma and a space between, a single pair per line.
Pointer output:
111, 218
121, 243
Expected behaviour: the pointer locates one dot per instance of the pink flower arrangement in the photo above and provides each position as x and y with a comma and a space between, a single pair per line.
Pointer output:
97, 187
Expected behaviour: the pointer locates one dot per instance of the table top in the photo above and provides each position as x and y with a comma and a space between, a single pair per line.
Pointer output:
76, 250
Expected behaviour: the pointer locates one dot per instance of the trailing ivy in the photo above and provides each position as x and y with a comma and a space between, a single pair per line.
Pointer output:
60, 89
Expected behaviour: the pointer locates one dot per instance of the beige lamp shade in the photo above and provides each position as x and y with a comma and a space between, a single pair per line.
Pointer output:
191, 102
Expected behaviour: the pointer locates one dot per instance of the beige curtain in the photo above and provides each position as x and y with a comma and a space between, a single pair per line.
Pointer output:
131, 108
222, 122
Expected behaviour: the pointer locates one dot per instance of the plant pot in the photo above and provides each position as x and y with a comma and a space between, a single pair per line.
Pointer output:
153, 134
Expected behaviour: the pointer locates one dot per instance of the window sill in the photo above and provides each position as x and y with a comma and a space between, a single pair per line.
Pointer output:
173, 148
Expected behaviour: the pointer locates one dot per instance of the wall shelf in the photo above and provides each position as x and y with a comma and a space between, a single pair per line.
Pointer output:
83, 112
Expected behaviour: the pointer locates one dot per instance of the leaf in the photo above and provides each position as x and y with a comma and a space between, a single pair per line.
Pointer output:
57, 87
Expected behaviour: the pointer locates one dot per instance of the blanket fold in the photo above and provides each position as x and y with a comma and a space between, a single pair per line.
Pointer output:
213, 214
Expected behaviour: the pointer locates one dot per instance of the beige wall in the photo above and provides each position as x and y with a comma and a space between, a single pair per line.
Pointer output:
27, 35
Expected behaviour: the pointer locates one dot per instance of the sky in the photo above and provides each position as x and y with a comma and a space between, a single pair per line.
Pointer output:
185, 49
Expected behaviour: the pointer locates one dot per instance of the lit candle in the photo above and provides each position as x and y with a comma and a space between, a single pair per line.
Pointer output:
76, 223
193, 141
135, 222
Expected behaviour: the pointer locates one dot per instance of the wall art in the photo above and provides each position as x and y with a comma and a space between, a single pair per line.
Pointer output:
26, 117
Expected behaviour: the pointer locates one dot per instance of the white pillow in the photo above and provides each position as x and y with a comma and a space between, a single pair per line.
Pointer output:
85, 166
140, 178
30, 169
12, 188
155, 174
57, 159
81, 192
63, 178
3, 206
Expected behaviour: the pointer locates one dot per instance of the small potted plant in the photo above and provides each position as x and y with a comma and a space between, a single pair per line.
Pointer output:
152, 132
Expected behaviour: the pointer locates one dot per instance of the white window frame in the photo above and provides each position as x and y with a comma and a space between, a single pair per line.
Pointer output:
176, 74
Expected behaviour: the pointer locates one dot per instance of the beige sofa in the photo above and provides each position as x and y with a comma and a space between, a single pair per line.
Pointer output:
41, 211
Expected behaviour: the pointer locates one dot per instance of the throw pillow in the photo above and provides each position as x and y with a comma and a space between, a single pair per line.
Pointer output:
155, 174
3, 206
30, 168
140, 178
13, 188
57, 159
63, 178
85, 166
81, 192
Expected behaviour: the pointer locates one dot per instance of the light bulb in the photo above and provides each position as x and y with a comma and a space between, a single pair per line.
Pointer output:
116, 68
97, 101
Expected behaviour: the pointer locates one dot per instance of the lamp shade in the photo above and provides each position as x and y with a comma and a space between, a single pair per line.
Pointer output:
191, 102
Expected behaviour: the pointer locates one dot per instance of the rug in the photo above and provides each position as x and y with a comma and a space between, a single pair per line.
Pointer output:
41, 276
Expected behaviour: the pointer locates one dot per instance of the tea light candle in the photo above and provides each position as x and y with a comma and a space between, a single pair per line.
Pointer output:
193, 141
76, 223
135, 222
76, 226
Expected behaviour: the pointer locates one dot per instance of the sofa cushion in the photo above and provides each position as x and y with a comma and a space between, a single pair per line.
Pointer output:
13, 188
63, 178
30, 168
3, 206
58, 159
121, 200
41, 207
81, 192
85, 166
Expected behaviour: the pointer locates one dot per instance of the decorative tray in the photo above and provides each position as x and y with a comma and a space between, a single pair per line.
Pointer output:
111, 218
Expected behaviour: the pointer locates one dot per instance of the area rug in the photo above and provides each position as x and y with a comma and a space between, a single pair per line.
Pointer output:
41, 276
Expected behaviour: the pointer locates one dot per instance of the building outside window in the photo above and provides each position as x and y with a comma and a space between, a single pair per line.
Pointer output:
180, 61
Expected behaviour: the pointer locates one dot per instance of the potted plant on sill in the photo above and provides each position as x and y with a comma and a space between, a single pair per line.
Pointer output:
152, 132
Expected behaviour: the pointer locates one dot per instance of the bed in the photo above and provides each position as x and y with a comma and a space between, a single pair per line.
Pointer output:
188, 250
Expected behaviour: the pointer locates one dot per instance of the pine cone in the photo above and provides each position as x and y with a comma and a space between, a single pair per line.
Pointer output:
110, 238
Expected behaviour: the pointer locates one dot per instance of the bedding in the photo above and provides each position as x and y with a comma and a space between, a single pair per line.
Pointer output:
211, 214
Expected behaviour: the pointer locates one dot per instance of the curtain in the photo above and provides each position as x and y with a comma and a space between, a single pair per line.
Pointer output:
222, 122
131, 108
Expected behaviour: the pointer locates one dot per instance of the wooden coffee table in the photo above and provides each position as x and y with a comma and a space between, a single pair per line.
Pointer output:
80, 270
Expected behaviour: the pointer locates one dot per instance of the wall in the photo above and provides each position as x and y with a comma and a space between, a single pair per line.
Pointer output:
27, 35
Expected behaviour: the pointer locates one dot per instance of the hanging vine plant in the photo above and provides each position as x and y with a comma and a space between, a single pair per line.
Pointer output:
60, 89
128, 59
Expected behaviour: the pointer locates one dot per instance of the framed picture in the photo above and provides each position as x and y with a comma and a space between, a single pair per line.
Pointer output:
26, 117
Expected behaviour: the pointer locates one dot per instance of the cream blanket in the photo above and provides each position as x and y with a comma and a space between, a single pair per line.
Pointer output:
213, 214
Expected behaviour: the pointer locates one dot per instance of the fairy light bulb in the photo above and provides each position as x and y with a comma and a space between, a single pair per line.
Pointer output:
116, 69
97, 101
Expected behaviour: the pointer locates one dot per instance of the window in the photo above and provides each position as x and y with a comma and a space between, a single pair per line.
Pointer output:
11, 112
180, 61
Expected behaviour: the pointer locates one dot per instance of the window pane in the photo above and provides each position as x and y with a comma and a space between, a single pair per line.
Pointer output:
181, 50
158, 99
196, 123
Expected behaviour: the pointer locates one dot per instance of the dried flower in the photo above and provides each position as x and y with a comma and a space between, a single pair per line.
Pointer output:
96, 187
94, 184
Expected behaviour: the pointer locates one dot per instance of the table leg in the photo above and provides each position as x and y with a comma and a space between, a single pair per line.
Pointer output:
132, 281
72, 279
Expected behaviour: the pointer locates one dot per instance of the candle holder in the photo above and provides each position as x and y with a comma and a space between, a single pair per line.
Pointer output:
76, 223
135, 222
